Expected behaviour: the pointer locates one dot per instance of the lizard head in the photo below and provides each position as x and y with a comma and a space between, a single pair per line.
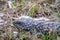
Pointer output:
22, 23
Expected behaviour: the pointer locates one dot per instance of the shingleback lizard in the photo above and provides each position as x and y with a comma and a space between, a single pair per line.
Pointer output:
29, 24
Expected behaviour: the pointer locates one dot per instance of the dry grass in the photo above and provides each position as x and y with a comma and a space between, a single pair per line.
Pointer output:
33, 8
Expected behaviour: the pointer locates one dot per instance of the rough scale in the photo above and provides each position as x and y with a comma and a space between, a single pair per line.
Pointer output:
28, 24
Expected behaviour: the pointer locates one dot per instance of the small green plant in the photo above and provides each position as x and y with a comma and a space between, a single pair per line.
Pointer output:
21, 36
33, 9
54, 36
45, 37
14, 4
22, 2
